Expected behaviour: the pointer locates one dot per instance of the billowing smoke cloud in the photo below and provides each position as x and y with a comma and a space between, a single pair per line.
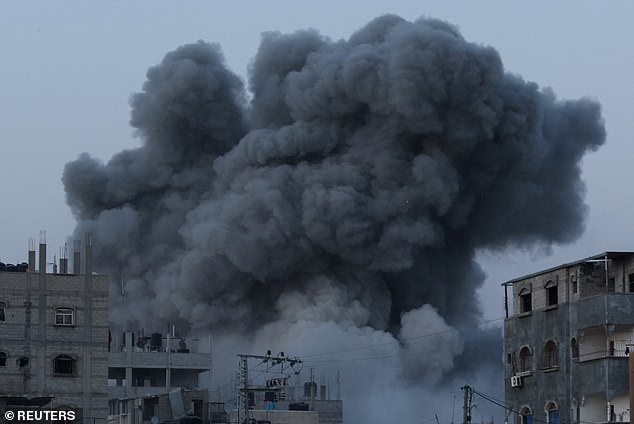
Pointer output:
344, 203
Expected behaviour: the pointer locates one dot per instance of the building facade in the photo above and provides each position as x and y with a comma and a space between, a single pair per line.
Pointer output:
54, 337
144, 370
567, 336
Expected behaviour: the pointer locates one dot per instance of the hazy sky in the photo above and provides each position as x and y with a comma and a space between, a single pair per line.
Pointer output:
68, 69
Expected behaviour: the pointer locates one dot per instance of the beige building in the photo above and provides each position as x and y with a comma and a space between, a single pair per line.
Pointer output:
54, 336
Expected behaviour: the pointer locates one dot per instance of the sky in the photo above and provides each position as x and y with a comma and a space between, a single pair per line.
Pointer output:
67, 71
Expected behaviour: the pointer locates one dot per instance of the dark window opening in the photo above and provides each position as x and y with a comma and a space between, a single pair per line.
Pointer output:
526, 359
611, 348
611, 285
64, 365
3, 359
631, 282
553, 413
2, 307
64, 316
22, 362
525, 301
150, 408
573, 283
552, 295
549, 359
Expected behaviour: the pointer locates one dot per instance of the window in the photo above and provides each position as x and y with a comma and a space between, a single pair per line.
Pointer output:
526, 359
630, 279
552, 413
3, 359
525, 300
573, 283
22, 362
549, 358
574, 348
551, 293
2, 308
611, 285
526, 415
64, 316
64, 365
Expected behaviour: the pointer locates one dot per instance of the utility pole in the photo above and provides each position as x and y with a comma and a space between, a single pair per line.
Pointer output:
243, 378
468, 396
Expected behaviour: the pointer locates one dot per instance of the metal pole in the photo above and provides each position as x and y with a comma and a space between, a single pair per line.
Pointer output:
466, 417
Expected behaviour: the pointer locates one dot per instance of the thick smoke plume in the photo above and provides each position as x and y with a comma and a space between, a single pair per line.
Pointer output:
345, 200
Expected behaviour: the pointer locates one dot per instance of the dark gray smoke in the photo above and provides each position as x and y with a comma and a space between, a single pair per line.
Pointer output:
352, 191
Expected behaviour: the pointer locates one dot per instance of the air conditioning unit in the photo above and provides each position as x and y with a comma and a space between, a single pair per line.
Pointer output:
516, 381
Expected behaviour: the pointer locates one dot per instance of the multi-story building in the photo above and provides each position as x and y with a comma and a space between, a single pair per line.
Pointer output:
54, 336
143, 370
567, 336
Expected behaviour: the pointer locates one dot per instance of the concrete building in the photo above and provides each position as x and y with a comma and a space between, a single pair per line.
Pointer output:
567, 336
54, 336
144, 369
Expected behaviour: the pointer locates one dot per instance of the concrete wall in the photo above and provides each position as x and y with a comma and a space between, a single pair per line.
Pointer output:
29, 331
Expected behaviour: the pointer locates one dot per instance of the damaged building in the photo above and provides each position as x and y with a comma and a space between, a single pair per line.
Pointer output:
54, 335
157, 377
568, 333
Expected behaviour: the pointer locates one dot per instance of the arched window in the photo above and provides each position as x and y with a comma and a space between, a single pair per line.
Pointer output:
526, 415
64, 316
574, 348
552, 295
3, 359
549, 357
526, 359
552, 413
525, 300
64, 365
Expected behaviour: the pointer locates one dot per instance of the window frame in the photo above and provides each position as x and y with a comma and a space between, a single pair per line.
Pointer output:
64, 312
525, 415
525, 361
3, 359
526, 300
68, 359
552, 412
552, 293
550, 355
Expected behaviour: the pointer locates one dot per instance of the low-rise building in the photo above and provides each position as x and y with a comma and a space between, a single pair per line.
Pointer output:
142, 370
